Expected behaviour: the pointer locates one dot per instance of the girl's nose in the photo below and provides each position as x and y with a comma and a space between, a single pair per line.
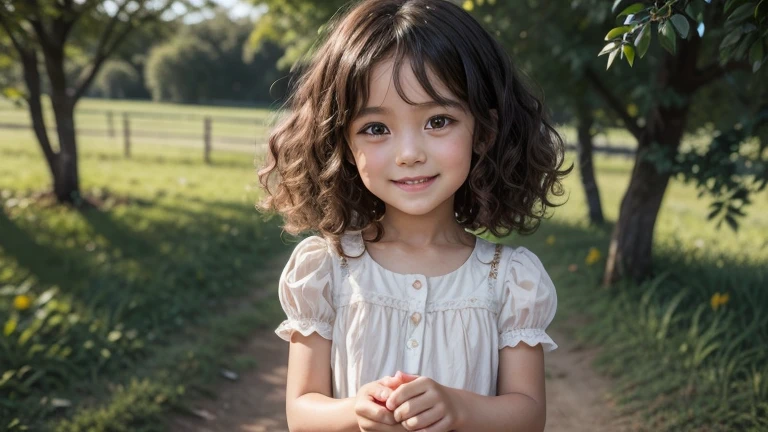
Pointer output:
410, 151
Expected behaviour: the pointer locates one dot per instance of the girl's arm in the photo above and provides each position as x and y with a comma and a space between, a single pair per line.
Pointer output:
521, 401
309, 404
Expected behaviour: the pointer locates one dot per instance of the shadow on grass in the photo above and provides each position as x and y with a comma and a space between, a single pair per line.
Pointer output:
36, 258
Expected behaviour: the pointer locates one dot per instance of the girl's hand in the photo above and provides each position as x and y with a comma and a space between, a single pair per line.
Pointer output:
371, 413
423, 404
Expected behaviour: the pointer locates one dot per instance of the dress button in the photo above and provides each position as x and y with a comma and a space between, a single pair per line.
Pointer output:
417, 284
413, 343
416, 318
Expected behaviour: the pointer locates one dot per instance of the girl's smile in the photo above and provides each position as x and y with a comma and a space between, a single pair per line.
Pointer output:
415, 184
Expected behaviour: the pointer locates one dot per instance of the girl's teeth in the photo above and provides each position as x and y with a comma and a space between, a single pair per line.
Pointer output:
416, 182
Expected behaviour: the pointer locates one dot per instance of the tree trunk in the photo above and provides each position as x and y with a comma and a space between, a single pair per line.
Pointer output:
32, 81
586, 166
66, 181
631, 245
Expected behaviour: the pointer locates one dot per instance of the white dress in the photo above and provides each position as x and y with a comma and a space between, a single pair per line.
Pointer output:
449, 328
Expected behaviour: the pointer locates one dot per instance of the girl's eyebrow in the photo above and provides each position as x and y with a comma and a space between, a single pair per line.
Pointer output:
419, 106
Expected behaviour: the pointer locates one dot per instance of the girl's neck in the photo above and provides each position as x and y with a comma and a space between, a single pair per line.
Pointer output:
437, 227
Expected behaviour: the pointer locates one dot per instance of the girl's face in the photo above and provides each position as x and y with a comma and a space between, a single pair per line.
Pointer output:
412, 157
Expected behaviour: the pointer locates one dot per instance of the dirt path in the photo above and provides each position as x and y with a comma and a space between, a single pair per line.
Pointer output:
576, 396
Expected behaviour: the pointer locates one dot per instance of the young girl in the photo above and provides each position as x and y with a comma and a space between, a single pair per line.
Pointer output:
408, 132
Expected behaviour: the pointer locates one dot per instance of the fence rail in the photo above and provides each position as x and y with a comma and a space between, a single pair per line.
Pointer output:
138, 125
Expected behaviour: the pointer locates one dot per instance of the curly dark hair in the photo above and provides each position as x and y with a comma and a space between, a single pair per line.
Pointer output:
517, 155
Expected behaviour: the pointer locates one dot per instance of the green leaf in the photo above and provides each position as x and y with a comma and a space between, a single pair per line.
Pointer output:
616, 32
608, 48
756, 52
10, 326
643, 40
612, 57
667, 37
681, 24
742, 49
635, 8
731, 39
629, 52
742, 12
730, 4
732, 222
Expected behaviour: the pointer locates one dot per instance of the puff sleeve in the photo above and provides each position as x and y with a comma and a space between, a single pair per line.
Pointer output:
529, 302
305, 290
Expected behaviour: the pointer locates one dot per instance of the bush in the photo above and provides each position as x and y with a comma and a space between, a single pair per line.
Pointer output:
118, 80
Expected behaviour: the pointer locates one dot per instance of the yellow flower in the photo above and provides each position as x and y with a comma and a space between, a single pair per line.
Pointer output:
718, 300
468, 5
22, 302
551, 240
593, 256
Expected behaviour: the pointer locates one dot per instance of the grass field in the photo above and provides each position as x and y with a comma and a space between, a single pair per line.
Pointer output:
131, 305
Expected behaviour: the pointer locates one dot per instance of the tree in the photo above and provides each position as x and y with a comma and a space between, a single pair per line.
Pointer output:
40, 30
717, 39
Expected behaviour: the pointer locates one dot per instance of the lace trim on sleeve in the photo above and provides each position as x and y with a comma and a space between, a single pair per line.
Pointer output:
304, 326
531, 337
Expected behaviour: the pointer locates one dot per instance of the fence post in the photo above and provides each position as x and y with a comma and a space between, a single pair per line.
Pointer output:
207, 139
127, 134
110, 124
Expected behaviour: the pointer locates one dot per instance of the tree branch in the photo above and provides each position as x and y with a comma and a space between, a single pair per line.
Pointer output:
37, 24
32, 80
103, 52
613, 102
7, 26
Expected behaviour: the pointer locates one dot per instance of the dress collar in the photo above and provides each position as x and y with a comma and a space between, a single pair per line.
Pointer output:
353, 245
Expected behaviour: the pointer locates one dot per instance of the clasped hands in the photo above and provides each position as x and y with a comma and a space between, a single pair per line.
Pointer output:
410, 402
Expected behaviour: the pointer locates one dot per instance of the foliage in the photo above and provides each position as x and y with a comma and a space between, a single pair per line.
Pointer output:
118, 79
293, 25
745, 28
175, 70
204, 62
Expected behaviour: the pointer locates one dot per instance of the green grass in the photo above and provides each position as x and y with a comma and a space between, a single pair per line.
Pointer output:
149, 288
135, 302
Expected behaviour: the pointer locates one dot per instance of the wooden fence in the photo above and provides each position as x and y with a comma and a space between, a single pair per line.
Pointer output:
208, 131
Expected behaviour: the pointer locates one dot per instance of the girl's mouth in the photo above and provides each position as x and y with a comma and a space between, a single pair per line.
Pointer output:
414, 184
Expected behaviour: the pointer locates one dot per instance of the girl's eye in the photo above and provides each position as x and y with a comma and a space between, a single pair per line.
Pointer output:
438, 122
375, 129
